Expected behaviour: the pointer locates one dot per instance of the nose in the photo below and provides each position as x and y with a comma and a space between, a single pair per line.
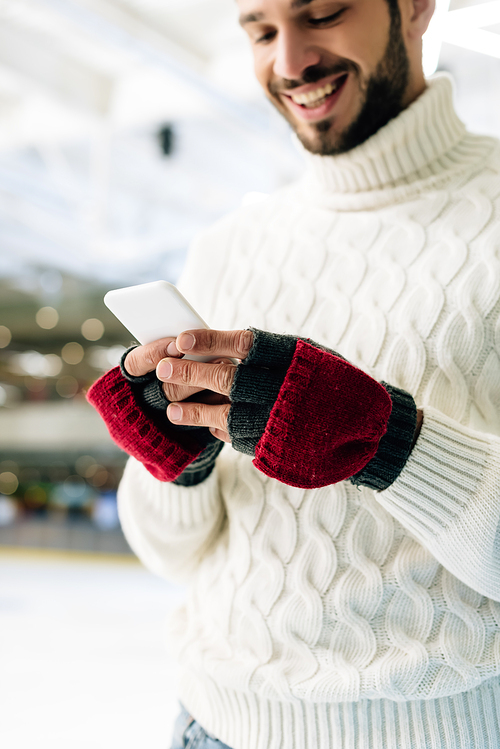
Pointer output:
293, 54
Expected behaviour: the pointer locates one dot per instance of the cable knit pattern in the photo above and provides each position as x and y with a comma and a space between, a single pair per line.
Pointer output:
341, 618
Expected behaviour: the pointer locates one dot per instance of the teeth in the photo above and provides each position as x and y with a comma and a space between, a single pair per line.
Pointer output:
314, 96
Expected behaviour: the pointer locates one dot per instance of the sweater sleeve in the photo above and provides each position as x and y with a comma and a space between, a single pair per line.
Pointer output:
448, 497
170, 527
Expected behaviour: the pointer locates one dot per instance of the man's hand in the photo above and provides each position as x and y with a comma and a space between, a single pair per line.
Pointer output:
216, 377
144, 359
184, 379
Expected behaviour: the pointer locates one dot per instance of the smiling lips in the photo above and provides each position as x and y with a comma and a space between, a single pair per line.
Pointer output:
320, 99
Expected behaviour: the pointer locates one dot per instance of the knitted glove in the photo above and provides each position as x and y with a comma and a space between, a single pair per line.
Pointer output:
312, 419
149, 392
133, 409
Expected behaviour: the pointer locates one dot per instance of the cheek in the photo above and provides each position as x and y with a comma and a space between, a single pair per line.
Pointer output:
364, 39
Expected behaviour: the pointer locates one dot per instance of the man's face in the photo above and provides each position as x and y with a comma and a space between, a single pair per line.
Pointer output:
337, 70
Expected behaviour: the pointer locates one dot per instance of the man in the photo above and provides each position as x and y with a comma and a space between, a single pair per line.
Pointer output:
342, 556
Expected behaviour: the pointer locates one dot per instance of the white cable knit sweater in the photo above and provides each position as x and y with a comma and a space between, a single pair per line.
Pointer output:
337, 618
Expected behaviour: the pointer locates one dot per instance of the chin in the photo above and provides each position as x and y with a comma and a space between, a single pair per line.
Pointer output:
321, 138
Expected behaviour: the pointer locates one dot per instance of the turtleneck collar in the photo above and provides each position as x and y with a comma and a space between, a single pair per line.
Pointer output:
423, 147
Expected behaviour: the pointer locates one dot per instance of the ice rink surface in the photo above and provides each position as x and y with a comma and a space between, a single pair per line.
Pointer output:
83, 658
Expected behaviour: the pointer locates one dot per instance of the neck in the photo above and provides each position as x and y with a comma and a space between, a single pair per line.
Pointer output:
416, 87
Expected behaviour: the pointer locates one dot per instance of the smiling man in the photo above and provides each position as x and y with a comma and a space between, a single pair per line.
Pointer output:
328, 486
337, 71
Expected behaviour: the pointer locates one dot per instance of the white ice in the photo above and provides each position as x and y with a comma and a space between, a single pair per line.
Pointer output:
83, 662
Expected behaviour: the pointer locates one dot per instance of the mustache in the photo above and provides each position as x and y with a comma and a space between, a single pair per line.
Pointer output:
311, 75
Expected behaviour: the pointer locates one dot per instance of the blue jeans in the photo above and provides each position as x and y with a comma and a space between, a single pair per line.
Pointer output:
188, 734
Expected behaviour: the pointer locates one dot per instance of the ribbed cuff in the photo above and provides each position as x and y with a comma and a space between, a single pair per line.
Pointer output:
140, 436
256, 386
202, 467
447, 497
271, 349
444, 471
148, 390
394, 447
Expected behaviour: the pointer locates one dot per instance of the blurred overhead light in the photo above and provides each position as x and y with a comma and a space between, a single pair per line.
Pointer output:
8, 482
84, 463
35, 364
35, 385
67, 387
103, 358
92, 329
47, 318
5, 336
72, 353
10, 395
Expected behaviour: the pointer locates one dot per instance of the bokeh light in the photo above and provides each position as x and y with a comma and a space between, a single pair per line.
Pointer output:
97, 475
8, 482
92, 329
67, 387
74, 493
102, 358
35, 364
72, 353
9, 465
83, 464
5, 336
54, 365
47, 318
35, 384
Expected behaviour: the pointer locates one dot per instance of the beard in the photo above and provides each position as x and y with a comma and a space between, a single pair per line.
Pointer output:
382, 97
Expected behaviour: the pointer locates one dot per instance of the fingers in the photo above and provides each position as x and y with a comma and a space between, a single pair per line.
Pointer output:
217, 376
180, 392
144, 359
233, 343
202, 415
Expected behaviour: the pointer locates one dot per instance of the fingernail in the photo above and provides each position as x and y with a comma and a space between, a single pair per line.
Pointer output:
172, 349
174, 412
186, 341
164, 370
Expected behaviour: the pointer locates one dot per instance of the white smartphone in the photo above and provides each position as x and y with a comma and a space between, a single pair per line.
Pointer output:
154, 310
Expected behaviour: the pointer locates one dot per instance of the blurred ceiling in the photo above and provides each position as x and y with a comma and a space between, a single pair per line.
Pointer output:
85, 88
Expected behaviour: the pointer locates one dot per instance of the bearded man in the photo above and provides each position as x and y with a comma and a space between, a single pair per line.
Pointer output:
342, 552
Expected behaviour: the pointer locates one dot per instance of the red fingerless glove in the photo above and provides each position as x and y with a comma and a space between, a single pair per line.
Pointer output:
310, 418
326, 424
164, 455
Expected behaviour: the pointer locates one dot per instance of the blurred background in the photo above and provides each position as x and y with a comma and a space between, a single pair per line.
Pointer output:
126, 127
